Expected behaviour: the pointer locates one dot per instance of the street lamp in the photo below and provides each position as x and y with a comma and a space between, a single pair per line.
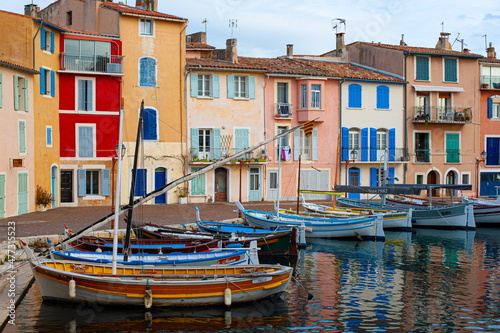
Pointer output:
478, 161
354, 155
248, 156
118, 152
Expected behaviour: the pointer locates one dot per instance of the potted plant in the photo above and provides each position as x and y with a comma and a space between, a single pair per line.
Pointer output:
182, 193
43, 198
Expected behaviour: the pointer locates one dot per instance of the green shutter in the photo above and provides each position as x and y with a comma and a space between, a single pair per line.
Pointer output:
452, 148
194, 85
16, 92
197, 183
22, 137
241, 139
422, 68
230, 86
450, 70
215, 86
22, 193
26, 95
194, 142
251, 87
216, 144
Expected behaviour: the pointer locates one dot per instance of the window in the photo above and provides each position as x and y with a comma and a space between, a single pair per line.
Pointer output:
86, 141
452, 148
422, 68
382, 97
204, 85
47, 40
465, 178
150, 125
240, 87
354, 99
305, 145
20, 93
283, 106
420, 179
47, 82
147, 72
48, 136
494, 107
381, 139
490, 77
22, 136
85, 93
493, 151
422, 153
450, 70
69, 18
353, 140
444, 109
204, 143
198, 183
303, 96
316, 96
94, 182
146, 27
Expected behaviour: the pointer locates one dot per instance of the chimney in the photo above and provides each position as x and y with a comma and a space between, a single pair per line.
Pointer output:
443, 42
490, 52
31, 10
231, 50
339, 41
289, 50
147, 4
402, 41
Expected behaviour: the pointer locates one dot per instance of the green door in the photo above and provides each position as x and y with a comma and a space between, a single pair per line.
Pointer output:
22, 193
255, 192
2, 196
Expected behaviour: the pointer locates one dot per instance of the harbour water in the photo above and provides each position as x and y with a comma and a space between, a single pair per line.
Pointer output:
421, 281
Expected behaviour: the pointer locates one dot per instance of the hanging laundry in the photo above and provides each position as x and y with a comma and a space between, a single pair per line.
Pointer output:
286, 153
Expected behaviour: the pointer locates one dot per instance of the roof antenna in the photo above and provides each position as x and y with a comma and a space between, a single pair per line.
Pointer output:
233, 23
442, 26
336, 25
205, 22
485, 42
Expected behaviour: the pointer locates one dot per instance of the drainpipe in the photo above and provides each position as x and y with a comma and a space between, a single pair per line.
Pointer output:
405, 124
34, 41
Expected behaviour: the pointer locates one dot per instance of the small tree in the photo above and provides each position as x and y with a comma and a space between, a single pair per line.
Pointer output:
43, 197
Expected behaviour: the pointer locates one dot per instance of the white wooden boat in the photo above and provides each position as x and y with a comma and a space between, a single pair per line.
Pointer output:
485, 211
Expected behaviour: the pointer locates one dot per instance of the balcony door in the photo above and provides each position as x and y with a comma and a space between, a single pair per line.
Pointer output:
282, 99
220, 184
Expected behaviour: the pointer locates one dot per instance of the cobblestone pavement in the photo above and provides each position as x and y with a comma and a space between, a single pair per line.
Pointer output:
52, 221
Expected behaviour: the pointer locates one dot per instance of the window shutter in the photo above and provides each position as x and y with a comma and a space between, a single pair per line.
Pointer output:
42, 39
16, 92
147, 72
42, 81
194, 141
1, 91
373, 144
391, 175
140, 183
48, 135
354, 96
105, 181
52, 83
85, 142
90, 96
242, 139
82, 182
493, 150
422, 68
81, 95
345, 144
194, 85
52, 42
490, 107
150, 130
198, 183
251, 87
230, 86
373, 177
26, 95
364, 144
315, 144
215, 86
296, 144
216, 145
392, 144
22, 137
382, 97
450, 70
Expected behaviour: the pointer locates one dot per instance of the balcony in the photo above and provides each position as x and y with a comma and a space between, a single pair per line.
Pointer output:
283, 110
452, 115
92, 63
210, 155
422, 155
490, 82
374, 155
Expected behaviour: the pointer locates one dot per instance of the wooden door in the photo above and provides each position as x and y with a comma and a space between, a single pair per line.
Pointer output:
220, 184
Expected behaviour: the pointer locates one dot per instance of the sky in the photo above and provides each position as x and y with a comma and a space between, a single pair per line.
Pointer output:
263, 28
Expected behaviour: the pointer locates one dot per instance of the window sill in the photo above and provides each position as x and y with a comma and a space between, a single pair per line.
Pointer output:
205, 97
241, 98
94, 197
383, 109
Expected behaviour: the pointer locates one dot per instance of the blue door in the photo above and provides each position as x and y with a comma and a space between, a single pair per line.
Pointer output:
354, 181
160, 180
53, 185
489, 183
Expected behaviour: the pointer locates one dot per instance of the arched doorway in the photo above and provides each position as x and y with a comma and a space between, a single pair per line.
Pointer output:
451, 178
432, 178
220, 184
160, 180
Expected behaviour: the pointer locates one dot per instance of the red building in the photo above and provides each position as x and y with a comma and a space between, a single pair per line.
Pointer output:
90, 79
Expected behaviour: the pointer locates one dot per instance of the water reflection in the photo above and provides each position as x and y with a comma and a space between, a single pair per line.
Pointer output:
420, 281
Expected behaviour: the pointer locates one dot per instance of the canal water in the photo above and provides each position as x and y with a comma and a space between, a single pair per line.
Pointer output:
421, 281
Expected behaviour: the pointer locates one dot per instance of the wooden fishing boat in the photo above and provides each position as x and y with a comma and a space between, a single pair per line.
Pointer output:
215, 257
369, 227
486, 212
228, 229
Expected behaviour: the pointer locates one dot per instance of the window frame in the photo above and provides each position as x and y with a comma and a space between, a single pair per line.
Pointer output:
354, 140
145, 81
94, 147
241, 83
92, 92
305, 146
145, 29
446, 70
303, 96
205, 80
316, 102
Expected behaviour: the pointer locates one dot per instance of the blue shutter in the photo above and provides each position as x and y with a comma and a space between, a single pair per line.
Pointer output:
230, 86
354, 96
150, 129
490, 107
373, 177
215, 86
48, 136
52, 83
26, 95
81, 95
345, 144
105, 177
43, 42
392, 144
85, 142
194, 85
364, 144
140, 183
147, 72
315, 144
16, 92
216, 144
296, 144
382, 97
391, 175
42, 81
251, 87
82, 182
493, 150
373, 144
194, 141
52, 42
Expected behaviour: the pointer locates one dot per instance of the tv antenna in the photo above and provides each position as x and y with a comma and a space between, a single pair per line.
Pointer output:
336, 24
233, 23
442, 26
485, 42
205, 22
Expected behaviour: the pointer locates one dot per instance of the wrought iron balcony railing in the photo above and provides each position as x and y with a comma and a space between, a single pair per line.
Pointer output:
92, 63
205, 155
440, 114
374, 155
283, 110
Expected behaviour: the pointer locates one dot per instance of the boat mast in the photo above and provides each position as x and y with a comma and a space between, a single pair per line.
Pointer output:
126, 246
298, 184
118, 190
